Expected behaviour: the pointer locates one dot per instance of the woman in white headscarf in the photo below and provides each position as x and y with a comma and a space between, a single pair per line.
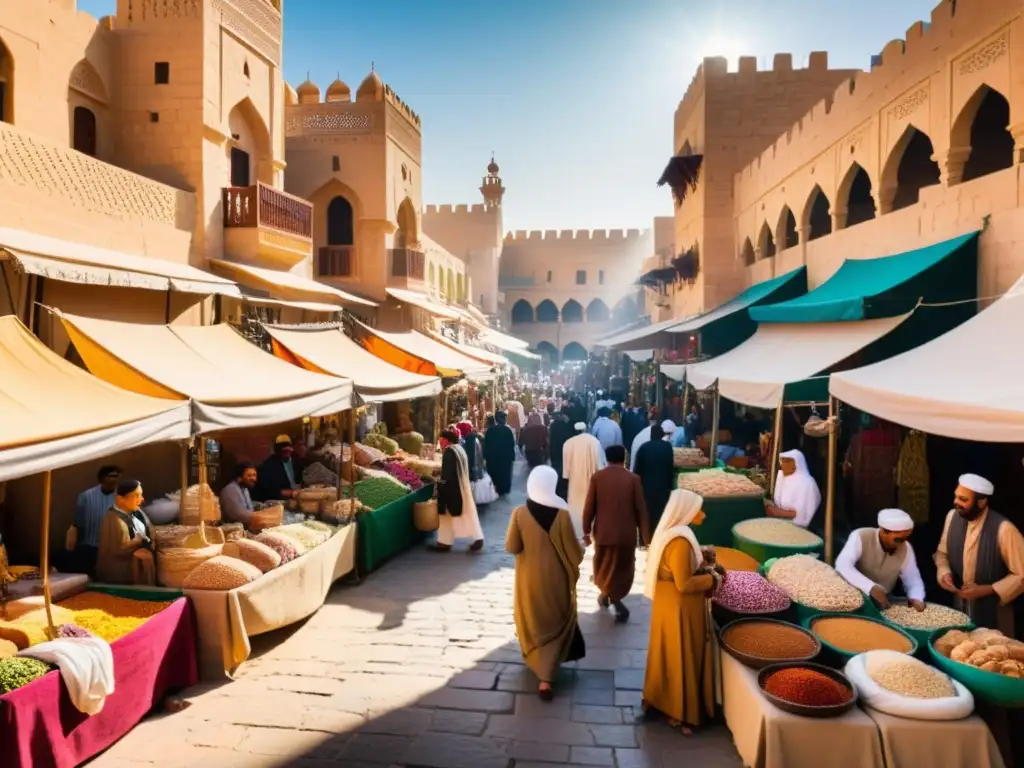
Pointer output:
797, 497
679, 682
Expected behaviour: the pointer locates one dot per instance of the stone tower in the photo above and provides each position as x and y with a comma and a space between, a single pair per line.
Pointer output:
492, 190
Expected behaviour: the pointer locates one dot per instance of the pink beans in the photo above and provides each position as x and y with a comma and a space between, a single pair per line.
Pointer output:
748, 592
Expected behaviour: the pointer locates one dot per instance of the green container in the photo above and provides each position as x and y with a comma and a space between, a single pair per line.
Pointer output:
840, 656
763, 552
149, 594
923, 636
990, 686
803, 613
388, 531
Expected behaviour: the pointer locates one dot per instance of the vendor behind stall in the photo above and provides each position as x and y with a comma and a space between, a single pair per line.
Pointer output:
124, 530
797, 497
276, 477
236, 498
90, 509
874, 559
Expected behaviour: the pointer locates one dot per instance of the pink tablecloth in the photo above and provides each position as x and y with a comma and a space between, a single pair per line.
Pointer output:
40, 728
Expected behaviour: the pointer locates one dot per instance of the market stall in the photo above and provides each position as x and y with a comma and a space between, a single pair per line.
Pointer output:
419, 353
729, 498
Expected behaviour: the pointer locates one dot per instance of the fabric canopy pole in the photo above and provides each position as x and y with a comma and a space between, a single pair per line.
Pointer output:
715, 410
830, 493
44, 554
776, 449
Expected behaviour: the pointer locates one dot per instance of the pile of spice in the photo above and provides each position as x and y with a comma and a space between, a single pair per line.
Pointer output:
815, 584
933, 616
749, 592
906, 676
855, 635
807, 687
769, 640
766, 530
734, 560
108, 616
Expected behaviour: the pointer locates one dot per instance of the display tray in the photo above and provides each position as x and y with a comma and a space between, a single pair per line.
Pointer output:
389, 530
756, 662
838, 655
990, 686
802, 709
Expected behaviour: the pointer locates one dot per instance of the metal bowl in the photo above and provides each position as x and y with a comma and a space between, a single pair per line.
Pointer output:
756, 662
802, 709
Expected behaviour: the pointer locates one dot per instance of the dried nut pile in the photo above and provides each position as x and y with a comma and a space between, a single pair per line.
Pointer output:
689, 457
815, 584
749, 592
711, 483
765, 530
907, 676
986, 649
769, 640
853, 635
933, 616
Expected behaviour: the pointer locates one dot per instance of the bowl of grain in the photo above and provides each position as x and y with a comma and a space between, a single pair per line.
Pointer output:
809, 690
814, 587
903, 686
764, 538
921, 624
845, 636
758, 643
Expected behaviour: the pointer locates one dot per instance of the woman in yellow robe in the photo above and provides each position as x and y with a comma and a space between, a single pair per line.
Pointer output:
548, 556
679, 681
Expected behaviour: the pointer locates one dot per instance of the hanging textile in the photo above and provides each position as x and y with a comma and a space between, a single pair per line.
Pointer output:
913, 477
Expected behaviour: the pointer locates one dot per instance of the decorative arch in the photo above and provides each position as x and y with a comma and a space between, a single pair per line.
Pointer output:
625, 311
460, 287
910, 168
686, 150
408, 234
547, 312
766, 242
855, 196
432, 276
87, 81
572, 312
747, 252
574, 351
452, 296
340, 222
597, 311
6, 84
83, 131
981, 129
817, 215
786, 233
549, 353
522, 312
250, 147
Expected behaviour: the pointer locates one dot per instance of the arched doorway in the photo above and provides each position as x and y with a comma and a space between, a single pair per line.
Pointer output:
547, 312
910, 168
856, 191
522, 312
625, 311
597, 311
340, 225
786, 234
766, 242
548, 353
6, 84
818, 215
250, 145
572, 312
747, 253
83, 121
574, 351
407, 235
991, 143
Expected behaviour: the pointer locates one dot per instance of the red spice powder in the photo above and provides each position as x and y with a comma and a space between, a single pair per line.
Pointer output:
807, 687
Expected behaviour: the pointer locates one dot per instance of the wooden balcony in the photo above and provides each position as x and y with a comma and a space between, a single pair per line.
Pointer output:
267, 226
407, 264
336, 261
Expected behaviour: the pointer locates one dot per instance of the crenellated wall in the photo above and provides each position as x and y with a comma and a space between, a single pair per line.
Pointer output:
472, 234
588, 235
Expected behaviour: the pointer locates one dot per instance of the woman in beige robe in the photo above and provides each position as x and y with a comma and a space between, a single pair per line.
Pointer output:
548, 557
124, 530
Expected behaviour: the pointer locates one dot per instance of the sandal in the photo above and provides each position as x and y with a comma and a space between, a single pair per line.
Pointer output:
545, 694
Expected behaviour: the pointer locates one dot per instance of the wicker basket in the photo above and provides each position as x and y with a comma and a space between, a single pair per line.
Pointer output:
200, 505
340, 510
424, 516
268, 517
311, 506
173, 565
232, 531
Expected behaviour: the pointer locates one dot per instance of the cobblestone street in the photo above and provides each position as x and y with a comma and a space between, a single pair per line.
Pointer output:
419, 666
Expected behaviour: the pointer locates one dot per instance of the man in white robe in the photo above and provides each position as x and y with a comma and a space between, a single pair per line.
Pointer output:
582, 456
644, 436
874, 559
796, 497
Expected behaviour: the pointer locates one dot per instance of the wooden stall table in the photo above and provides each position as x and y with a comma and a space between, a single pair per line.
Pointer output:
227, 619
767, 737
909, 743
389, 530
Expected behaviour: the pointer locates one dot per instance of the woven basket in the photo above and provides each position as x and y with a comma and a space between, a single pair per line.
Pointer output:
232, 531
174, 565
425, 517
310, 506
201, 505
268, 517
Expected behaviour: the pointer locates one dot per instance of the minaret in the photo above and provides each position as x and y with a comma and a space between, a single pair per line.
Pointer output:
491, 188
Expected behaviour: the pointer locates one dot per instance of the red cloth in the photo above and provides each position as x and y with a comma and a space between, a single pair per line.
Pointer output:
39, 726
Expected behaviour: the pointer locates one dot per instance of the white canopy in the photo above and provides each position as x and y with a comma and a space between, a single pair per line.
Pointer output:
232, 383
286, 285
641, 338
54, 414
757, 371
965, 384
329, 350
449, 361
424, 302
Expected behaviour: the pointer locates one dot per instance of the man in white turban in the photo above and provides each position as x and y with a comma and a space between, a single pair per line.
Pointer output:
644, 436
980, 558
796, 497
874, 559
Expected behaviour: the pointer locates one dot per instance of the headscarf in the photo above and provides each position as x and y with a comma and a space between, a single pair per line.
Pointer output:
682, 507
797, 492
542, 501
464, 428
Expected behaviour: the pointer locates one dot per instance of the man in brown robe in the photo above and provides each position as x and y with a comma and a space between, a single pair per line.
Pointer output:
613, 515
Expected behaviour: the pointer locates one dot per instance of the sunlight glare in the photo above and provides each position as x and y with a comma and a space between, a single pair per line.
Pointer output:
729, 47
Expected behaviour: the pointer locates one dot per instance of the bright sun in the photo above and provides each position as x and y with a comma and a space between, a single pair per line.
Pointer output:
729, 47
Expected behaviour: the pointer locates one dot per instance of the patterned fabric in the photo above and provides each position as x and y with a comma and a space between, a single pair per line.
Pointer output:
913, 477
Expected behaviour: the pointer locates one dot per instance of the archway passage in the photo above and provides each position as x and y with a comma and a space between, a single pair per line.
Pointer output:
819, 215
860, 205
625, 311
597, 312
991, 142
747, 253
786, 234
84, 131
549, 352
406, 236
572, 312
340, 227
916, 169
547, 312
574, 351
251, 144
522, 311
766, 242
6, 84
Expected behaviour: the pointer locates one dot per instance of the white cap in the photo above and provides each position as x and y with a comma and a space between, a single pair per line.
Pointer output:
668, 426
580, 426
978, 484
895, 520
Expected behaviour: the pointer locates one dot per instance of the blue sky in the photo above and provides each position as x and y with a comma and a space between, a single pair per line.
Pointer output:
575, 97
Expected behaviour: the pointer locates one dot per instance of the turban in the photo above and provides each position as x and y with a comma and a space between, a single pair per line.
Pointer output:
978, 484
580, 426
895, 520
669, 426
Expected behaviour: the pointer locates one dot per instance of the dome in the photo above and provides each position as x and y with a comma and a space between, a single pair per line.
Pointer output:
308, 93
371, 88
291, 98
492, 167
338, 91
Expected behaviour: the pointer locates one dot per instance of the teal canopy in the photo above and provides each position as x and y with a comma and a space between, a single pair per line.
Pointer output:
864, 289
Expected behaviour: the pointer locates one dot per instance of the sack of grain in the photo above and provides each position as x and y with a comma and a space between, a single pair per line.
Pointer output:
258, 554
287, 547
222, 573
267, 517
233, 531
341, 511
903, 686
174, 565
172, 536
201, 504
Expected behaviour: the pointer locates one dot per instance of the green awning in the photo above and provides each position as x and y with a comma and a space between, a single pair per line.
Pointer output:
863, 289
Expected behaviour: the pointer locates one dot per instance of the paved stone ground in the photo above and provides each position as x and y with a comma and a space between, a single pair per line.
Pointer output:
419, 667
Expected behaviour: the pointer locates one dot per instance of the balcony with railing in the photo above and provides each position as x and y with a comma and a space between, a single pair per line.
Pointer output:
336, 261
265, 224
407, 267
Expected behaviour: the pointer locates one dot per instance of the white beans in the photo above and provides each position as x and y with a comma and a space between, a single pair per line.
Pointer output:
766, 530
932, 617
908, 677
815, 584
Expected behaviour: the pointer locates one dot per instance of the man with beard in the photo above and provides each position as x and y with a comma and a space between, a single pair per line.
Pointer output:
980, 559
